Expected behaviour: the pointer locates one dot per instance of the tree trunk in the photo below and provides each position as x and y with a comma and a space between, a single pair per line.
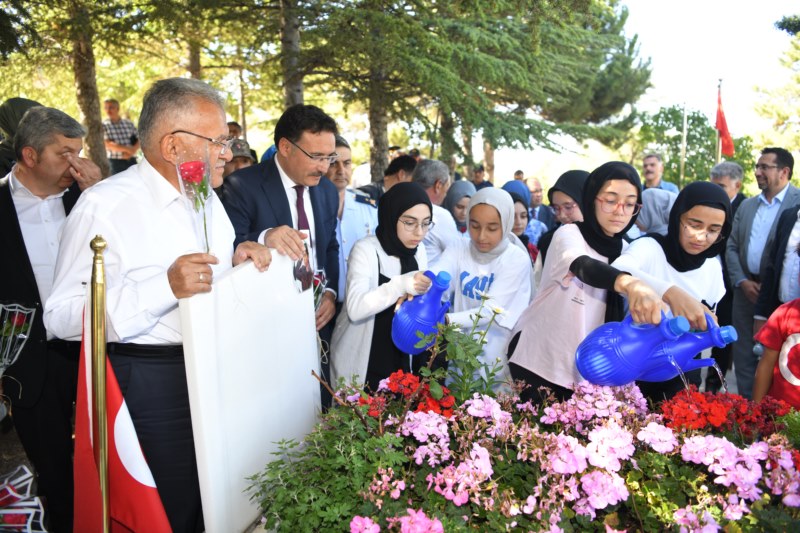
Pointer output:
466, 138
290, 55
242, 104
449, 147
195, 68
488, 160
86, 87
378, 127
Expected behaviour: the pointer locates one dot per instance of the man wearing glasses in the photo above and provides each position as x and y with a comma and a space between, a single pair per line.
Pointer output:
150, 266
748, 252
287, 203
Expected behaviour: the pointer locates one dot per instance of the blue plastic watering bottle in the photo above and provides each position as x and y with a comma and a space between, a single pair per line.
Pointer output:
422, 313
683, 350
616, 353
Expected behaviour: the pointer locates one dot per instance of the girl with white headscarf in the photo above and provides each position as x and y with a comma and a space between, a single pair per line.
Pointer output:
491, 264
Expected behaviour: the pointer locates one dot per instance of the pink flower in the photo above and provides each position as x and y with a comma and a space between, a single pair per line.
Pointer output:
608, 444
659, 437
363, 524
418, 522
569, 456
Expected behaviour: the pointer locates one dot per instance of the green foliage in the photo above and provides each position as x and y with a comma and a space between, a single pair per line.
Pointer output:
792, 427
789, 24
781, 105
662, 133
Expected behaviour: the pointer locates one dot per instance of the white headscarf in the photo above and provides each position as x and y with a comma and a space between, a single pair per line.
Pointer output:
500, 200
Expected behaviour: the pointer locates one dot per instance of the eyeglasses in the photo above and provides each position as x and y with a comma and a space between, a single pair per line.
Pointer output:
762, 167
329, 159
608, 205
567, 208
412, 225
224, 144
712, 236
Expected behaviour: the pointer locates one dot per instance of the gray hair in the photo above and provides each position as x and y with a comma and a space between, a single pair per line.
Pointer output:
341, 141
653, 154
429, 171
39, 126
727, 168
170, 97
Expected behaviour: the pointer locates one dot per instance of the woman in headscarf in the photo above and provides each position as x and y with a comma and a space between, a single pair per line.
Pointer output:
579, 289
521, 223
683, 266
11, 112
382, 268
656, 205
456, 202
490, 271
535, 228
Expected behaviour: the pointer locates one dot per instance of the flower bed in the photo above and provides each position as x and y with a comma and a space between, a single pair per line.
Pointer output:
408, 459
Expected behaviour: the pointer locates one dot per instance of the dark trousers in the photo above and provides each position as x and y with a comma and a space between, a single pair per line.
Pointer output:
723, 356
118, 165
534, 381
45, 431
157, 396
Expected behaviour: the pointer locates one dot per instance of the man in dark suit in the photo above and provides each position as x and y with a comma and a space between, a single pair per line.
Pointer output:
780, 283
35, 198
729, 176
539, 211
748, 252
286, 202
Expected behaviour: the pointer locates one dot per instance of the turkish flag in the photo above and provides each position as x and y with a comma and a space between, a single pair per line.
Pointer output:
722, 127
135, 503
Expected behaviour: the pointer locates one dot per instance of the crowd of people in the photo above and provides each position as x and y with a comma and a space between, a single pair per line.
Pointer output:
607, 242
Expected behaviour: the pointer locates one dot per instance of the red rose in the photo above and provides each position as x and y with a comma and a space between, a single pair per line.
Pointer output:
192, 171
18, 320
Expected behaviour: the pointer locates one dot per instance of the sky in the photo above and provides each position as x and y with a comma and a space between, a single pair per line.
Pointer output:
691, 45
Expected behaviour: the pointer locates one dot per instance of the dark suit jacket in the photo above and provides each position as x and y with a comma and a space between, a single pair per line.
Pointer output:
255, 200
18, 285
546, 216
768, 299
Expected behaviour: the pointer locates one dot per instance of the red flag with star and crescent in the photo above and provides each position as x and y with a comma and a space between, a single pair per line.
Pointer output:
134, 501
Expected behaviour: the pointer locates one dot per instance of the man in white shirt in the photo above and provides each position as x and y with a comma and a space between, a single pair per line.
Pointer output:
151, 262
434, 177
35, 198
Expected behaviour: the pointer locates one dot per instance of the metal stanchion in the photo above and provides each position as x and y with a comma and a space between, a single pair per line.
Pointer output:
99, 405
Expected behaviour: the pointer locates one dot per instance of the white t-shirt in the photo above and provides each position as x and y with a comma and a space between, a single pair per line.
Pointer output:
645, 259
506, 281
442, 235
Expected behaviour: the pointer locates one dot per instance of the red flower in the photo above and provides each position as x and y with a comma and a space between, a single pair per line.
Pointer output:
192, 171
18, 320
375, 405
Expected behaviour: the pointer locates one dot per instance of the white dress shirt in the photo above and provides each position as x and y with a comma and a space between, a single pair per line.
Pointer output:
147, 226
40, 220
443, 234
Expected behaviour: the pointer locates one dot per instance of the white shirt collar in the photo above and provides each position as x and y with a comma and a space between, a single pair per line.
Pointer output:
18, 189
285, 179
778, 197
160, 188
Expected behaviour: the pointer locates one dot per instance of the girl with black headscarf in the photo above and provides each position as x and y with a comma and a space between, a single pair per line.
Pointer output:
579, 289
381, 269
683, 266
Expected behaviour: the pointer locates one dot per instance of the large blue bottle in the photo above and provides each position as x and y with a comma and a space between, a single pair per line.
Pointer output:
422, 313
682, 352
616, 353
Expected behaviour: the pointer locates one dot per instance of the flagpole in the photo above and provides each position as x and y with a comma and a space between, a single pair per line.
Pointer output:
719, 138
100, 415
683, 148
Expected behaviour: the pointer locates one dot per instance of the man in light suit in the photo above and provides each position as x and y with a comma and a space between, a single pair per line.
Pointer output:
35, 199
748, 252
287, 203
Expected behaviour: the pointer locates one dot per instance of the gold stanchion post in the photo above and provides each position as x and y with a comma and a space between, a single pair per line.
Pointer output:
99, 405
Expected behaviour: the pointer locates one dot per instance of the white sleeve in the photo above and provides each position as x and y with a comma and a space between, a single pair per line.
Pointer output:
361, 298
448, 262
134, 304
642, 259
